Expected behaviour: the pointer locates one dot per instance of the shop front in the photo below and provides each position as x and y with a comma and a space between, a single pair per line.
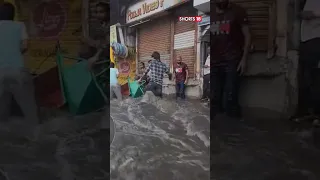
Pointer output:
157, 28
203, 7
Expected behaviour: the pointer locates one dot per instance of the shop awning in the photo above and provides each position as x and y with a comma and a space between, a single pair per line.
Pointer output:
205, 33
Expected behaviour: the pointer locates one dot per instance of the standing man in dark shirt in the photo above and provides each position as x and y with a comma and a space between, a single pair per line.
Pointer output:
230, 42
181, 77
309, 59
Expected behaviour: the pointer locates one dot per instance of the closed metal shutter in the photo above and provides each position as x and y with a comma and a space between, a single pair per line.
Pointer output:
184, 39
155, 36
261, 20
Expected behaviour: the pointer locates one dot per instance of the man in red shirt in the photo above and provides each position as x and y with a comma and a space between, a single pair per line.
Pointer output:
181, 77
230, 42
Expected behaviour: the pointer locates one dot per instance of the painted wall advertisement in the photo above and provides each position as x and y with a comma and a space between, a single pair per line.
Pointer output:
127, 68
50, 21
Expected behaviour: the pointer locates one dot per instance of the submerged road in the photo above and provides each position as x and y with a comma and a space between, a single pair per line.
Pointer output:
243, 150
160, 140
69, 148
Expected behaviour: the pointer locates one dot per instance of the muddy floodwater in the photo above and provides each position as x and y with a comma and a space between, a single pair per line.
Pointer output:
160, 140
69, 148
245, 150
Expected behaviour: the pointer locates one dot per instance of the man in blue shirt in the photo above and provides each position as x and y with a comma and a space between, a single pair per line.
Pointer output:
115, 88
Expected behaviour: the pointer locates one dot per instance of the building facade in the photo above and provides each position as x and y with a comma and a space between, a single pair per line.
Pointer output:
203, 7
155, 26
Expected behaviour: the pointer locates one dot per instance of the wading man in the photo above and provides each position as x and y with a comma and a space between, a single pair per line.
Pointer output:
115, 88
206, 78
309, 58
157, 69
181, 76
230, 42
15, 80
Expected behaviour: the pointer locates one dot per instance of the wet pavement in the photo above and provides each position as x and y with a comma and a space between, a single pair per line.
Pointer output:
160, 140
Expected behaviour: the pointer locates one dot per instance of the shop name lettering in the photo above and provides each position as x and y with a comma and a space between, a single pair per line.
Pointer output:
47, 52
50, 21
145, 9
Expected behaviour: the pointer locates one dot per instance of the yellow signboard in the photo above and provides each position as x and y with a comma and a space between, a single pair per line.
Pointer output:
113, 38
48, 23
113, 34
127, 68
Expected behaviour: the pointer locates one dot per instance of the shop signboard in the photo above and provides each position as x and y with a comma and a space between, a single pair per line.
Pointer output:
147, 8
205, 21
113, 34
48, 22
127, 68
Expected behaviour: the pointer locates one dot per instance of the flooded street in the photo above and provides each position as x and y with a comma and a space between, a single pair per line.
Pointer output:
160, 139
69, 147
243, 151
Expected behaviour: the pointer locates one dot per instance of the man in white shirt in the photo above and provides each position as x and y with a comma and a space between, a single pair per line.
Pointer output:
309, 55
206, 77
115, 88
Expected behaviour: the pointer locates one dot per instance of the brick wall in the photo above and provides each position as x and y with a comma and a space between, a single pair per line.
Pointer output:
155, 36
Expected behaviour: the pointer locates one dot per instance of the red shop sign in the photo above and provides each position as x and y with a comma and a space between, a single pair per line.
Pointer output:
124, 67
50, 19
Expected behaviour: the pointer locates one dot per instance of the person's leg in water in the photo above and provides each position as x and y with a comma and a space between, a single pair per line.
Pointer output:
111, 92
23, 92
155, 88
231, 91
205, 87
158, 90
182, 90
22, 89
115, 90
216, 79
178, 90
308, 62
5, 98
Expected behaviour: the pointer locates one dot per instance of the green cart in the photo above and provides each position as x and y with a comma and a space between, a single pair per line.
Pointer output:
83, 91
136, 89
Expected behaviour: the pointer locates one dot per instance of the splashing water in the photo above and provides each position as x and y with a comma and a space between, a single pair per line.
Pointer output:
160, 138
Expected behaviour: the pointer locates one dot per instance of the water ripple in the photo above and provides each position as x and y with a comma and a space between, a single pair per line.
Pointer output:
160, 138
